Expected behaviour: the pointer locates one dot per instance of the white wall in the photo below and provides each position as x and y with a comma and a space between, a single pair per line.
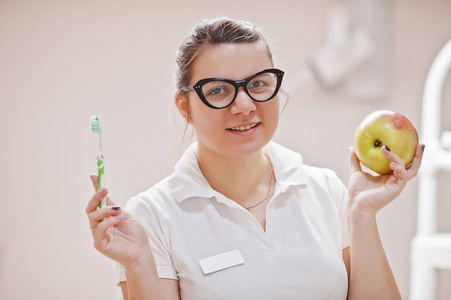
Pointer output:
62, 61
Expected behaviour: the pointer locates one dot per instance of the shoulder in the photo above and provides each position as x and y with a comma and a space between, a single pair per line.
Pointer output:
320, 173
166, 192
327, 180
153, 201
290, 162
292, 169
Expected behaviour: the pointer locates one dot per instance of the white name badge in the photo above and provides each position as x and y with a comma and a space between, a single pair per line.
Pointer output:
221, 261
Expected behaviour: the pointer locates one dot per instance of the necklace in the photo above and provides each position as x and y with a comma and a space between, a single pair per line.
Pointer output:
266, 197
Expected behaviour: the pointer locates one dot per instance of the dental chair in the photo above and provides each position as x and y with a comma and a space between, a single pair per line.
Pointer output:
430, 249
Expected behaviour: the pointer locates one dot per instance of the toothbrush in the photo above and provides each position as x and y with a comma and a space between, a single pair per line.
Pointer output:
96, 127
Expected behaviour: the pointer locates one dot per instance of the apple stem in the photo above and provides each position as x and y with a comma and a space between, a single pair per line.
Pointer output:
377, 143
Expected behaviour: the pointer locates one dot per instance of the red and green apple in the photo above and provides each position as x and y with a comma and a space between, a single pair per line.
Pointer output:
385, 127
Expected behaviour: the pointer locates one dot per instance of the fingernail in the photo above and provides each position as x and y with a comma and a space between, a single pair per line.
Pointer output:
101, 190
422, 148
386, 147
116, 207
119, 217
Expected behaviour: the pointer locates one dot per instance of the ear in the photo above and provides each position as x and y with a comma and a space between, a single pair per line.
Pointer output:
183, 107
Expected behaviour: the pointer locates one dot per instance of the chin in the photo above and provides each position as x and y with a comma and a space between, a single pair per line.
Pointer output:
247, 148
232, 149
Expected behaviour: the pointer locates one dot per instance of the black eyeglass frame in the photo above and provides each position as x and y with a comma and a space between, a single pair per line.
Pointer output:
237, 84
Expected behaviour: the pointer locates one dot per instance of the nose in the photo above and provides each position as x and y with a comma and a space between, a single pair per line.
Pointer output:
243, 103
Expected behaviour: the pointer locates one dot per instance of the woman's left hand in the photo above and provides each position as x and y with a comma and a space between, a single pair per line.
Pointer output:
369, 193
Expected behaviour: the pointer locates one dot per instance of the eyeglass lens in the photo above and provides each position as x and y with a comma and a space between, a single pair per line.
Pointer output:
221, 93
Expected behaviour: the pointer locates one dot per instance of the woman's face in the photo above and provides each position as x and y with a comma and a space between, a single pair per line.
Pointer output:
219, 130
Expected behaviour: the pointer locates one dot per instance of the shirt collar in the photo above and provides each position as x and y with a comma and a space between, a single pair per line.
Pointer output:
187, 181
287, 165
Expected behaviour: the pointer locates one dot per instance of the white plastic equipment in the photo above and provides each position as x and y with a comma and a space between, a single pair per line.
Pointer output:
431, 250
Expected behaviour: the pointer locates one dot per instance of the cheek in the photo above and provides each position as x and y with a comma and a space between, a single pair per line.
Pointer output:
204, 118
273, 111
273, 115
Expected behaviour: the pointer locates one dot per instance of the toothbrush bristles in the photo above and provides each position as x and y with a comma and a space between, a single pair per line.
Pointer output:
96, 125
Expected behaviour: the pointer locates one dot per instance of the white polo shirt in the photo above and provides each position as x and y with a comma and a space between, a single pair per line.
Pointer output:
217, 250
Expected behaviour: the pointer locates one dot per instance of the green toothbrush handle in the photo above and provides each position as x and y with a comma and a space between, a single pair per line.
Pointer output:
101, 178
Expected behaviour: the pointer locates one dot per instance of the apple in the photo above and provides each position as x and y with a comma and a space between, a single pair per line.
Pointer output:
384, 127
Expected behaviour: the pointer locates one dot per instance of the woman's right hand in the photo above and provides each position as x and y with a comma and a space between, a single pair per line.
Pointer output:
119, 236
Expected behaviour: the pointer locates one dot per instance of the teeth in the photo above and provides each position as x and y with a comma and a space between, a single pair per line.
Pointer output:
243, 128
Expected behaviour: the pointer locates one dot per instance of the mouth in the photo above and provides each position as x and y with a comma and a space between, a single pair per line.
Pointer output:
243, 128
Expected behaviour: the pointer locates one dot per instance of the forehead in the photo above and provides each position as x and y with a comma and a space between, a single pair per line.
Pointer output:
230, 61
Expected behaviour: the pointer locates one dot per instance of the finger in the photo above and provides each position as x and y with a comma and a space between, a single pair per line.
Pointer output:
354, 163
95, 184
100, 214
399, 171
392, 156
94, 178
416, 162
109, 202
94, 201
109, 222
100, 234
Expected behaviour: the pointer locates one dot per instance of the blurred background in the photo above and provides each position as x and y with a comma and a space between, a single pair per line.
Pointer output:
62, 61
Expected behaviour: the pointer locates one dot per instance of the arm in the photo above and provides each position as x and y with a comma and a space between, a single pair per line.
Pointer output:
170, 288
370, 275
122, 238
143, 282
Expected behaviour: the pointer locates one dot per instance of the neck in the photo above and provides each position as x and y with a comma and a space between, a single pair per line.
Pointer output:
243, 179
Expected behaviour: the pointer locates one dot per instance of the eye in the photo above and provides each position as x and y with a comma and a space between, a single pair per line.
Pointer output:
216, 88
257, 84
215, 91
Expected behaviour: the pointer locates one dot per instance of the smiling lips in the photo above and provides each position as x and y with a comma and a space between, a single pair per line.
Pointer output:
243, 128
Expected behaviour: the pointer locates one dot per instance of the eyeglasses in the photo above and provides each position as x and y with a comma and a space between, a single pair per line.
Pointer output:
219, 93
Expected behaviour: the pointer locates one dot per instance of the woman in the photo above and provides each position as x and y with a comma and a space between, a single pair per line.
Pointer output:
242, 217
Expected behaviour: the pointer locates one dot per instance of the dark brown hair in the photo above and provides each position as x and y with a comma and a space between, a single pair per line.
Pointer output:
216, 31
